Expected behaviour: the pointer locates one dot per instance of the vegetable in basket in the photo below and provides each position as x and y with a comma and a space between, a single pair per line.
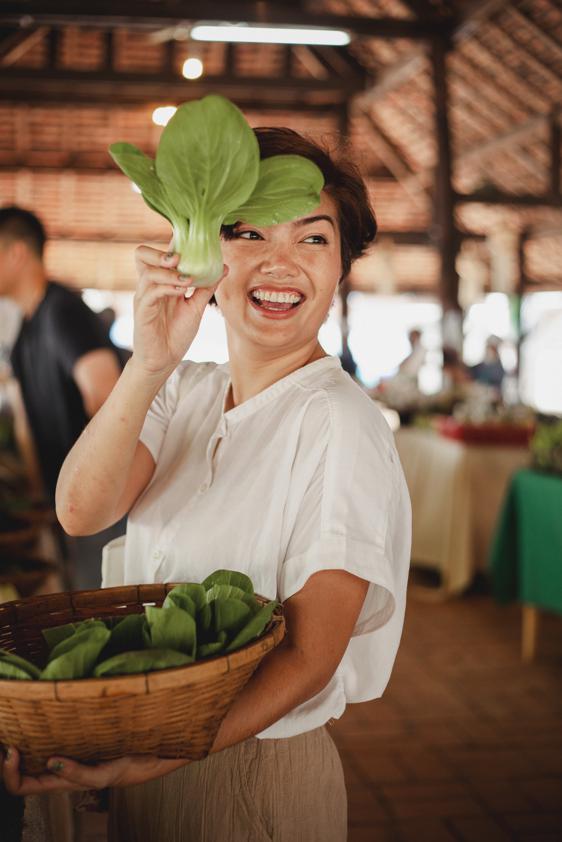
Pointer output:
207, 173
195, 621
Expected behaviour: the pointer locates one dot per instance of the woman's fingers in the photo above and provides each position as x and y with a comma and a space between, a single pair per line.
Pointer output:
18, 784
154, 257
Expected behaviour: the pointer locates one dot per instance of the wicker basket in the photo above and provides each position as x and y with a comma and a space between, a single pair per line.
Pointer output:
168, 713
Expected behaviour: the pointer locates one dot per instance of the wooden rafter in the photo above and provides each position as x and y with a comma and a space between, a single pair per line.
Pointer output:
407, 66
143, 14
393, 159
18, 43
533, 28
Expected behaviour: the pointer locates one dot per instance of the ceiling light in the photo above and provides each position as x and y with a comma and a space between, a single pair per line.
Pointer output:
253, 34
162, 116
192, 68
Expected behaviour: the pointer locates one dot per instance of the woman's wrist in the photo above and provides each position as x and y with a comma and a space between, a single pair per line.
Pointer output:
151, 381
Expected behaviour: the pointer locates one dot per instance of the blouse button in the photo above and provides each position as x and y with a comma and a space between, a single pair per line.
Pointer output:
157, 555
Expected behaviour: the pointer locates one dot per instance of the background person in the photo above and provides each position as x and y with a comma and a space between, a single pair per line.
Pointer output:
278, 465
64, 365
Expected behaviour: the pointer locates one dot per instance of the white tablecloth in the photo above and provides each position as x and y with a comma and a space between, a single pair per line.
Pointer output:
456, 491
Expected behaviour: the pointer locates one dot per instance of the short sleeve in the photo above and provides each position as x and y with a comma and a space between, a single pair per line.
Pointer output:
75, 331
158, 416
344, 514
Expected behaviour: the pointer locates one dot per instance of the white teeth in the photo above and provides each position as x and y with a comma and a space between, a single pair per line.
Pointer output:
276, 297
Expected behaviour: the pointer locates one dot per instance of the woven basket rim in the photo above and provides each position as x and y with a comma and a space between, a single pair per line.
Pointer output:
136, 683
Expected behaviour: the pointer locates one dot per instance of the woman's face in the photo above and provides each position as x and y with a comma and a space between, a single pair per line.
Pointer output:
281, 279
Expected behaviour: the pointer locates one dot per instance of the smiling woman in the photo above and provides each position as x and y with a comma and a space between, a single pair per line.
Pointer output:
276, 465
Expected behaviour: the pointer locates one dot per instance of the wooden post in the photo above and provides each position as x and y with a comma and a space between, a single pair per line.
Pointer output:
530, 622
555, 153
343, 123
444, 228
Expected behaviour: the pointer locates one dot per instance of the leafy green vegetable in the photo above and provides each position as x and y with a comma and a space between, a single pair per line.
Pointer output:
75, 656
288, 186
12, 666
207, 172
230, 615
254, 627
195, 621
172, 628
191, 597
128, 663
56, 634
229, 577
127, 635
213, 647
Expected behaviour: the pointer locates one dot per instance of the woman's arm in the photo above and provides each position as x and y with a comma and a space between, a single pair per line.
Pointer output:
107, 469
320, 620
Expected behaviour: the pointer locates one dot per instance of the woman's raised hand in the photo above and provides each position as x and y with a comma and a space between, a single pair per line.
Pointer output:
166, 322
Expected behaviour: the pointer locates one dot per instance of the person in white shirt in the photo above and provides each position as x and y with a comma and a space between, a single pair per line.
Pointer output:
277, 465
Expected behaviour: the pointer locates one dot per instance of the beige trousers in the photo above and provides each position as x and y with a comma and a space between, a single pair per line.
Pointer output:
288, 790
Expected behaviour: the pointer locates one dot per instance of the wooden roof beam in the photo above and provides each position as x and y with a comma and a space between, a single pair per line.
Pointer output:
491, 196
393, 159
536, 31
58, 84
402, 70
19, 42
145, 14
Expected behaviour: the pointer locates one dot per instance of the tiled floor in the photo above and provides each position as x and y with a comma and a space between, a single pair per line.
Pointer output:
466, 743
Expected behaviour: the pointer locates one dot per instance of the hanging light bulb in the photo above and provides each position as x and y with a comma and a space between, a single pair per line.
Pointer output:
162, 115
192, 68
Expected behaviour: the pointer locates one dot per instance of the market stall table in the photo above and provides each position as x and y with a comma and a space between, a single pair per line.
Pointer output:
456, 491
526, 554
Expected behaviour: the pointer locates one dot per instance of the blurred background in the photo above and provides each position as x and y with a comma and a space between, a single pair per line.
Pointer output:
452, 323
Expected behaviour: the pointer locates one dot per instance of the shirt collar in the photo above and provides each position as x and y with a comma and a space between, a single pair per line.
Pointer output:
300, 377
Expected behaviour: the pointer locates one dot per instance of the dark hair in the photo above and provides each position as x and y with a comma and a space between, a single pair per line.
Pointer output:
19, 224
342, 180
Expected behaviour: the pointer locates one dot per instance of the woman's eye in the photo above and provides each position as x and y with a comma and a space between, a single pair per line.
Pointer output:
247, 235
316, 239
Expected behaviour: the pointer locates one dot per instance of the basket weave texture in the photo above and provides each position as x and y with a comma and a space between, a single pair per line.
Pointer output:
169, 713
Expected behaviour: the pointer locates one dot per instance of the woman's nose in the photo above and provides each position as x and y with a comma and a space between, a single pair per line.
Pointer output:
279, 263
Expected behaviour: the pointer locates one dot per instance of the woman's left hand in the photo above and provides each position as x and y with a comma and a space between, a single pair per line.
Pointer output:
65, 774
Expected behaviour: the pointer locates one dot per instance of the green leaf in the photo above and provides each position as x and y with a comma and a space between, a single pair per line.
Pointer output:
229, 577
207, 170
254, 627
76, 656
204, 619
213, 647
194, 594
128, 634
12, 666
54, 635
128, 663
230, 615
288, 187
142, 172
208, 157
225, 592
172, 628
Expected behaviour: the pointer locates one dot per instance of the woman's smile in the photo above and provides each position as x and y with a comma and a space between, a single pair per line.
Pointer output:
276, 302
284, 273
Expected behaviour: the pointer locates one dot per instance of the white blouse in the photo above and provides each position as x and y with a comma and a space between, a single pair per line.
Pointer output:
302, 477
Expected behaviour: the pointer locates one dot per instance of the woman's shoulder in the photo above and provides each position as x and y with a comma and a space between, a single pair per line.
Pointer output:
205, 375
351, 408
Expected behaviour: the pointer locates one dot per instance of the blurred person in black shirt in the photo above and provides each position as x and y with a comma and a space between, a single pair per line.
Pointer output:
65, 366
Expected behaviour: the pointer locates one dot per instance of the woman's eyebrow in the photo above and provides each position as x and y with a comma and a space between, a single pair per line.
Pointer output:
309, 219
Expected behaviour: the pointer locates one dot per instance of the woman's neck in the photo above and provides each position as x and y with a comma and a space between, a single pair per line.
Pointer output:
251, 375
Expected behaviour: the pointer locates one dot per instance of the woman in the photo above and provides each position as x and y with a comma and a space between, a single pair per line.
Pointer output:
277, 465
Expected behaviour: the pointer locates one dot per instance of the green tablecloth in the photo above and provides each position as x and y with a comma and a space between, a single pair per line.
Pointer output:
526, 554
